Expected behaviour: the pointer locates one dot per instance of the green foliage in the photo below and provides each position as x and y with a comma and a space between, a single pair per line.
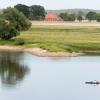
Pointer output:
7, 30
80, 18
91, 16
19, 21
23, 8
12, 22
19, 41
98, 17
71, 17
67, 17
64, 16
55, 38
66, 38
37, 12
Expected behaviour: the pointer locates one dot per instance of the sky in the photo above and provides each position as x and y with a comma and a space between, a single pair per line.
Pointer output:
54, 4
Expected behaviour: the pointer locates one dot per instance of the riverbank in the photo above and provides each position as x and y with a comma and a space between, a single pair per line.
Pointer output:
58, 40
39, 52
62, 38
10, 48
45, 53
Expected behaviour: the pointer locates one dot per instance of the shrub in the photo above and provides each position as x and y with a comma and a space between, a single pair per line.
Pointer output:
19, 41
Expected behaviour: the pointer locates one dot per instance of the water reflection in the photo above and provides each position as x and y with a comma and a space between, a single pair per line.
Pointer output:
12, 70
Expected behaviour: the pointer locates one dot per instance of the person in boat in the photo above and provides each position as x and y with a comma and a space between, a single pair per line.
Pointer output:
93, 82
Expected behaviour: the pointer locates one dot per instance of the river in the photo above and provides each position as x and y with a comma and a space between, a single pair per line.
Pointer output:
27, 77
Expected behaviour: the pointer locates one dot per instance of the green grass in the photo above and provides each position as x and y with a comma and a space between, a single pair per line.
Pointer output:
53, 38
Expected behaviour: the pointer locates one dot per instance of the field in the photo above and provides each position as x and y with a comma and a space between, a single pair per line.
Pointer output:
72, 38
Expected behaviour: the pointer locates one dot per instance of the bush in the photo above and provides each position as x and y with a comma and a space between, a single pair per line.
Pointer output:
19, 41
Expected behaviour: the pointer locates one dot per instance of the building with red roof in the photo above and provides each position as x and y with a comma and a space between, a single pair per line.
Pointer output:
52, 17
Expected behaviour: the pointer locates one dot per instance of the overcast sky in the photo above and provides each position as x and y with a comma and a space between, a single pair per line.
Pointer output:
54, 4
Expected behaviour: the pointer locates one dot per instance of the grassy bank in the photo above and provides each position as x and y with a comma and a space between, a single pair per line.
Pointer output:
59, 38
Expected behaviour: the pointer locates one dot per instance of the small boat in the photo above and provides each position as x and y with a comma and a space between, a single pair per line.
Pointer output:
93, 82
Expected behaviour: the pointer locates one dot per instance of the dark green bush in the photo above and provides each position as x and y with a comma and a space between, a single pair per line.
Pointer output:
19, 41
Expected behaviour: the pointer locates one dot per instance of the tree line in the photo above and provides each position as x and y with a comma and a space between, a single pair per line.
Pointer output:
37, 12
34, 12
91, 16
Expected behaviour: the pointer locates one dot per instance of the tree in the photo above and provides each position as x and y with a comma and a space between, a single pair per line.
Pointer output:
23, 8
64, 16
91, 16
71, 17
12, 22
37, 12
98, 17
67, 17
80, 18
15, 17
7, 30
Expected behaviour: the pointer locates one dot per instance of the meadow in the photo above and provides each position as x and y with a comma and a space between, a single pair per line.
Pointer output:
59, 38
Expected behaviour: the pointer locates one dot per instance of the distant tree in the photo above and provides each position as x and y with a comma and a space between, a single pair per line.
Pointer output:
23, 8
80, 16
64, 16
91, 16
71, 17
37, 12
98, 17
67, 17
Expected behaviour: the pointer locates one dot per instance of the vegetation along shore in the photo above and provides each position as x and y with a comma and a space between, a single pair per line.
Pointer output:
56, 40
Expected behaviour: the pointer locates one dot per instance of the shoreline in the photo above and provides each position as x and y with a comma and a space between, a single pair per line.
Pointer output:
39, 52
43, 53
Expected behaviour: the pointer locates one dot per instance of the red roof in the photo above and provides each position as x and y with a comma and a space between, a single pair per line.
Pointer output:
52, 17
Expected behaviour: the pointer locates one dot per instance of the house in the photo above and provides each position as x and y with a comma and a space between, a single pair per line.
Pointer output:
52, 17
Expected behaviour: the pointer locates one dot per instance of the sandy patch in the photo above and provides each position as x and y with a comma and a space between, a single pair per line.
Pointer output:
39, 52
44, 53
10, 48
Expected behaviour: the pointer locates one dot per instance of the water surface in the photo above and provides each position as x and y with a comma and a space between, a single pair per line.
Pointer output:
27, 77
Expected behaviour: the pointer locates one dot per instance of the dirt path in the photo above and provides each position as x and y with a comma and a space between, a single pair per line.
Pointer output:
91, 24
